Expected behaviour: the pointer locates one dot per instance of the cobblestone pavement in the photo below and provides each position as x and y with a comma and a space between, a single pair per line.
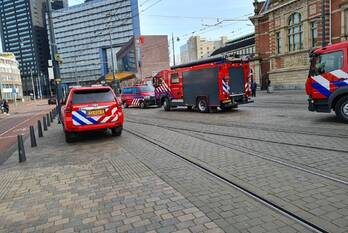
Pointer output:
92, 186
106, 184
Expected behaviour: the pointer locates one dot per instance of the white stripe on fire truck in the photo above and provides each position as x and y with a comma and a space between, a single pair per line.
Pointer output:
322, 81
339, 74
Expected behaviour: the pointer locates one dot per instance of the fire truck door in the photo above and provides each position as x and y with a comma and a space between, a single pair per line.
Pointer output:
176, 86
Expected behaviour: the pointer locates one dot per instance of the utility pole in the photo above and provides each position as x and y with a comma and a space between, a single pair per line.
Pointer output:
40, 90
173, 44
55, 63
112, 57
32, 83
323, 22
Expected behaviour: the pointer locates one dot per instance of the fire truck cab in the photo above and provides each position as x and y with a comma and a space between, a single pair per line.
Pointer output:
205, 84
327, 83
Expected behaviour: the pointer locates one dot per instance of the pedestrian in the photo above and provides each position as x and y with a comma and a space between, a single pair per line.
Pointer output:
253, 88
268, 85
6, 107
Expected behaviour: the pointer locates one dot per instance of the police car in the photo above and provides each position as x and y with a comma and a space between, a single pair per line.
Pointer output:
91, 109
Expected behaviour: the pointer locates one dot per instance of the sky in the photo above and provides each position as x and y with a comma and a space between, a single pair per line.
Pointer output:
185, 18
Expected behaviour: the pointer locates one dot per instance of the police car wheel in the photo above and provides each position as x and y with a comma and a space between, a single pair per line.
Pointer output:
69, 137
341, 109
202, 104
142, 105
117, 131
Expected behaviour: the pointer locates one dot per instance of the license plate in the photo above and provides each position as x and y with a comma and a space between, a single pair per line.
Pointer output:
226, 101
96, 112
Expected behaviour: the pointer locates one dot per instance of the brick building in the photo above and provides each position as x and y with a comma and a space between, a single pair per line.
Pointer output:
287, 30
154, 51
143, 56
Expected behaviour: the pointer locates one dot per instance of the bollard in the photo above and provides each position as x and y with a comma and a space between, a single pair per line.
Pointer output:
32, 137
39, 129
21, 151
48, 120
44, 121
51, 116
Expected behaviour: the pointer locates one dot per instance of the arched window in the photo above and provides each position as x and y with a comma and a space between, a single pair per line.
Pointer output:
295, 33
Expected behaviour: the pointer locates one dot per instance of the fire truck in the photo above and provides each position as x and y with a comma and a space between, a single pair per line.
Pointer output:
327, 83
205, 84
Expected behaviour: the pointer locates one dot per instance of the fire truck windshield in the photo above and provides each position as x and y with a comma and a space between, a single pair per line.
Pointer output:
325, 63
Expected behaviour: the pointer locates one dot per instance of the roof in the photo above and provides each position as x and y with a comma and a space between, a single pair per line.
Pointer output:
90, 88
241, 42
340, 45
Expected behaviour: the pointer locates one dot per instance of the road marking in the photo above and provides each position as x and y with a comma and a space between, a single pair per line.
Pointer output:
22, 123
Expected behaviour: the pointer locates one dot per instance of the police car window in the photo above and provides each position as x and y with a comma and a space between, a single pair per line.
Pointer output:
135, 91
92, 96
329, 62
175, 78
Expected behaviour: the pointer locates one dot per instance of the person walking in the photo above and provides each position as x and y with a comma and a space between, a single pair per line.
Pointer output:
6, 107
268, 85
253, 88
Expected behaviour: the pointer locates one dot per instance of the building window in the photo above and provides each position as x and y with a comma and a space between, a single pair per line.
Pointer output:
295, 33
314, 33
278, 42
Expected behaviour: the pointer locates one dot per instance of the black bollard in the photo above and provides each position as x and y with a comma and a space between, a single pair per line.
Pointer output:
32, 137
44, 121
48, 120
51, 116
21, 151
39, 129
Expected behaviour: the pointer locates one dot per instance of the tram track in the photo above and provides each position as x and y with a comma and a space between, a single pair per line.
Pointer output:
243, 137
254, 126
294, 165
270, 204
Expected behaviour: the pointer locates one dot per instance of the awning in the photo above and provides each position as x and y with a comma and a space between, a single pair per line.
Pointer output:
120, 76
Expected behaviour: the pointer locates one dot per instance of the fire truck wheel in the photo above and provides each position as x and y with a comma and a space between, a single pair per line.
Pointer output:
202, 105
166, 105
142, 105
341, 109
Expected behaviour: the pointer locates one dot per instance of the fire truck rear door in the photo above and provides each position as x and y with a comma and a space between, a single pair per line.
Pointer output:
237, 83
199, 83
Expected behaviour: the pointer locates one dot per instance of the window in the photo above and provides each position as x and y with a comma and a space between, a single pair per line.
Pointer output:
278, 42
93, 96
175, 78
135, 91
314, 33
295, 33
326, 63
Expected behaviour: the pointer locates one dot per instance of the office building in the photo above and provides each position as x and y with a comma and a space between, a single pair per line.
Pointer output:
10, 78
23, 32
198, 48
82, 35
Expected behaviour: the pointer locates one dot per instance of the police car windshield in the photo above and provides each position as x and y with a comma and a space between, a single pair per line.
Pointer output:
145, 89
92, 96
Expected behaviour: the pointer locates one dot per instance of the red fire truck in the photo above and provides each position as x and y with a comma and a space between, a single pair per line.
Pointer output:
327, 83
206, 84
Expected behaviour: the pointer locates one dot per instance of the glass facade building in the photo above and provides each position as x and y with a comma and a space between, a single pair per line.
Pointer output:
82, 35
23, 30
